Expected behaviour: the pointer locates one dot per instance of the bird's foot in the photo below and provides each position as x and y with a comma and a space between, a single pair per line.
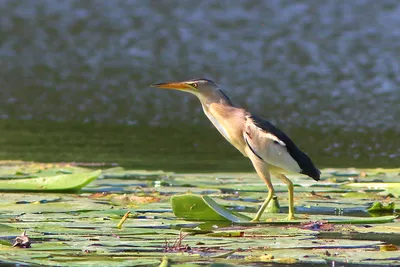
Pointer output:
291, 217
255, 220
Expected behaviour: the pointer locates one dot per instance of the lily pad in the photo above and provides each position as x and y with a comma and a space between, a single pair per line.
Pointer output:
379, 207
202, 208
62, 182
80, 229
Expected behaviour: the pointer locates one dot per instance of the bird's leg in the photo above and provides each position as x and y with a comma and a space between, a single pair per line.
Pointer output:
290, 190
262, 171
264, 205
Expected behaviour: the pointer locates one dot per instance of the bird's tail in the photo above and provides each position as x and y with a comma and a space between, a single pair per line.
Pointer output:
309, 169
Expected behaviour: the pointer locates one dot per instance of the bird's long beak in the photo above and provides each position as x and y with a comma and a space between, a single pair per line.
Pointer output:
173, 85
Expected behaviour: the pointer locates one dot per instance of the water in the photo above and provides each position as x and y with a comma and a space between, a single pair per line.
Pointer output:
326, 72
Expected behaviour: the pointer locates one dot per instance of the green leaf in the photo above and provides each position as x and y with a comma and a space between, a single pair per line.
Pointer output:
79, 229
193, 207
203, 208
227, 234
62, 182
379, 207
224, 212
360, 220
334, 220
224, 255
372, 185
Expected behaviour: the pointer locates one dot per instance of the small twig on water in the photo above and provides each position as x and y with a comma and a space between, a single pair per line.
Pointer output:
177, 245
121, 222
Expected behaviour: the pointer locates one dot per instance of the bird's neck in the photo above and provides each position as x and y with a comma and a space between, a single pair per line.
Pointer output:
215, 96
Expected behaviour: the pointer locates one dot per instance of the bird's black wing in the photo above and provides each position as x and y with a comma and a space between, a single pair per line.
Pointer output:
305, 163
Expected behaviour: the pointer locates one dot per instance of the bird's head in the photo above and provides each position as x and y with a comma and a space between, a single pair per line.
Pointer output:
196, 86
206, 90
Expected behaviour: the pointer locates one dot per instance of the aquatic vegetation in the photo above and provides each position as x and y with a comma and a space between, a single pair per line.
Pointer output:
175, 219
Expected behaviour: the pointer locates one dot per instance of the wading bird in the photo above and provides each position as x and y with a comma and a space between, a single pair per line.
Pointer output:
269, 149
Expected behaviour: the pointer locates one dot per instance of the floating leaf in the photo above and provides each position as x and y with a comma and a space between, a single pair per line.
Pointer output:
231, 216
355, 220
373, 185
388, 247
224, 255
331, 220
227, 234
286, 260
378, 207
62, 182
195, 231
202, 208
193, 207
264, 257
80, 229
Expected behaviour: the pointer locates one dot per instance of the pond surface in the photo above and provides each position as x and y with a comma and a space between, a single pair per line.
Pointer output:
322, 71
346, 219
176, 147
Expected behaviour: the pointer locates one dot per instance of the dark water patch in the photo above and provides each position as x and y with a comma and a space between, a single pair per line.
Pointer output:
178, 147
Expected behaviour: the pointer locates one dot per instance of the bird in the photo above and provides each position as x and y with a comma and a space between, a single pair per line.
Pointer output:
269, 149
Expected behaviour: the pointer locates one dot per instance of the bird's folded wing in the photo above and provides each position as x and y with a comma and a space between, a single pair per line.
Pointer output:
268, 147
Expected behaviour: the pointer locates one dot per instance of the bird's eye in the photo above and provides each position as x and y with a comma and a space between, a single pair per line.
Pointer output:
195, 85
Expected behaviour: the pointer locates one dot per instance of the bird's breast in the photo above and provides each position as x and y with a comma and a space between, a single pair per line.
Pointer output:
229, 122
219, 127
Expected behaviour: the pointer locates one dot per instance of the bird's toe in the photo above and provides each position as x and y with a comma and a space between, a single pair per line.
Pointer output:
291, 217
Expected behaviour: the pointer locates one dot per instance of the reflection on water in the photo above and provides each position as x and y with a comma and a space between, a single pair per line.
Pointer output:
178, 147
327, 72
